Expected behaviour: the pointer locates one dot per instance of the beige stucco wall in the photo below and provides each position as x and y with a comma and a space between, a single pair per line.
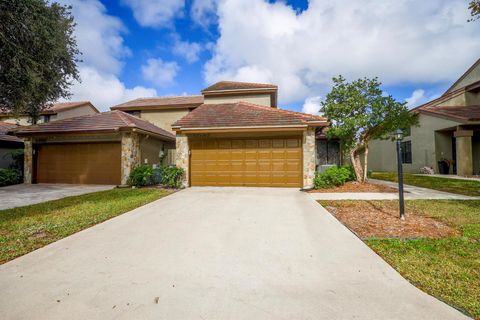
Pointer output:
75, 112
471, 77
163, 118
23, 121
427, 147
261, 99
459, 100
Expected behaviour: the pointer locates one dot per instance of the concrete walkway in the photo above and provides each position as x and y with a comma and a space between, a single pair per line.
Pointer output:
411, 193
26, 194
214, 253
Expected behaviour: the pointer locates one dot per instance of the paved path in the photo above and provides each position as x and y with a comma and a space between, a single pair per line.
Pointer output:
214, 253
411, 193
25, 194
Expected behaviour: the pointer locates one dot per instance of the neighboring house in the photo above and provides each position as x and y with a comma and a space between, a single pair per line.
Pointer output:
239, 137
94, 149
449, 128
57, 111
8, 144
161, 111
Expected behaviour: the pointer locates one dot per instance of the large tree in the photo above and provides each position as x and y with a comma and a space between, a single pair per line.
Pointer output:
474, 7
38, 55
359, 112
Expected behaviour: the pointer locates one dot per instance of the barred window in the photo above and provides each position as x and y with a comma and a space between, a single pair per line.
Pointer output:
406, 153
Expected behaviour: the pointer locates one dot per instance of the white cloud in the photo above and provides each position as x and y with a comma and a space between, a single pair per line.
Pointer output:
155, 13
106, 90
419, 97
402, 41
312, 105
99, 38
203, 12
188, 50
159, 72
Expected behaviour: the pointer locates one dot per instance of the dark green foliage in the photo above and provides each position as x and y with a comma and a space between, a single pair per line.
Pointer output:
17, 157
474, 7
145, 175
141, 176
10, 176
359, 112
334, 177
38, 55
172, 176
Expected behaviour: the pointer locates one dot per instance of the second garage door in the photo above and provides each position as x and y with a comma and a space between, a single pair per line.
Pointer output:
83, 163
246, 162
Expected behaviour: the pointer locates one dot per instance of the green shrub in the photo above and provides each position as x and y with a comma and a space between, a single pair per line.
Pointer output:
333, 177
141, 176
145, 175
172, 176
10, 176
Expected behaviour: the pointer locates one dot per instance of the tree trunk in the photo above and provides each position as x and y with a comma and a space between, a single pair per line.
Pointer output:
365, 163
357, 166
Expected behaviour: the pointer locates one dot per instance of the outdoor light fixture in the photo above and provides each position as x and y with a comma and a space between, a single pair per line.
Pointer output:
399, 137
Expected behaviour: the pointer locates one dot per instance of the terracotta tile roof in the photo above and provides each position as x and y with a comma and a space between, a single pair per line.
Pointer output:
4, 127
112, 121
61, 106
463, 113
160, 102
234, 85
243, 114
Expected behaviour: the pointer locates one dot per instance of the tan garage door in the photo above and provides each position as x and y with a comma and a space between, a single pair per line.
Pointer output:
84, 163
246, 162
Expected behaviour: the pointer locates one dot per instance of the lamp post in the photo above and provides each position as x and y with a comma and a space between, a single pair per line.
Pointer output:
399, 137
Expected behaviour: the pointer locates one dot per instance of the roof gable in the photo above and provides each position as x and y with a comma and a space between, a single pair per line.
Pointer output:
243, 114
470, 76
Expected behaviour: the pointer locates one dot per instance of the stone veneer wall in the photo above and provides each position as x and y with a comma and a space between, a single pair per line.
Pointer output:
130, 154
182, 156
28, 160
308, 157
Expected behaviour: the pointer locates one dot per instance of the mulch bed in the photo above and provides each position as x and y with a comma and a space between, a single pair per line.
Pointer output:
369, 220
357, 187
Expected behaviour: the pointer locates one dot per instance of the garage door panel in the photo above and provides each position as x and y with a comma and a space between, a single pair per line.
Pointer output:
247, 162
84, 163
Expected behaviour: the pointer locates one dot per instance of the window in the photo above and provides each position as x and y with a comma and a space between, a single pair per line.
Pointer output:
406, 151
46, 118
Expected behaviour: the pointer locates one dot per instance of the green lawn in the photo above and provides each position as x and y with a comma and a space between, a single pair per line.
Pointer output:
466, 187
25, 229
447, 268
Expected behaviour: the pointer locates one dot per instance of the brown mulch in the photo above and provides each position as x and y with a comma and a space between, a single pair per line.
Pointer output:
369, 220
357, 187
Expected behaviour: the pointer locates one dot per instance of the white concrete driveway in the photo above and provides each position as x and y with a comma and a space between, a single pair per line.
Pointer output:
26, 194
214, 253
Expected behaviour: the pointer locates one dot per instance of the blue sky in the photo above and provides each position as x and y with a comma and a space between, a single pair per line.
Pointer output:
138, 48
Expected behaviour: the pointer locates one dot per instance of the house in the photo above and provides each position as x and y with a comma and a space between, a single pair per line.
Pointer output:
57, 111
449, 129
8, 143
100, 148
238, 137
